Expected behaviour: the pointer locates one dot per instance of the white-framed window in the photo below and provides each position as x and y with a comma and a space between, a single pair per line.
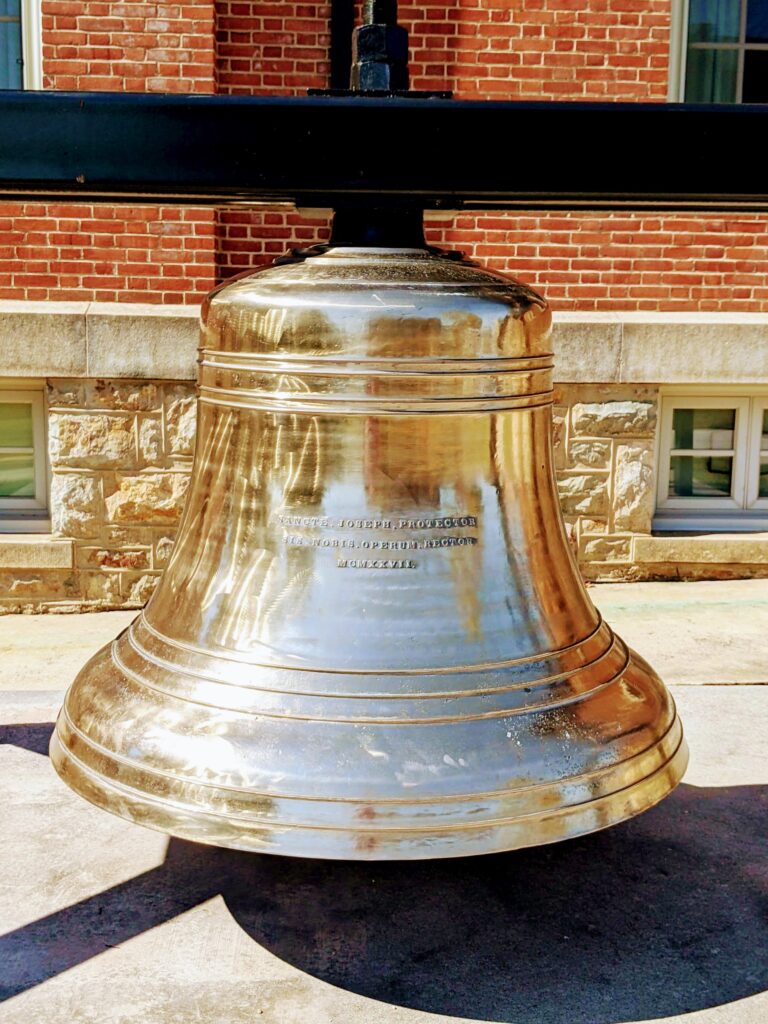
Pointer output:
713, 462
23, 462
719, 51
20, 44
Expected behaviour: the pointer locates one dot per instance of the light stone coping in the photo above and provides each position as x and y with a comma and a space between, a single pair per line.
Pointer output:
142, 341
100, 339
718, 547
33, 551
39, 339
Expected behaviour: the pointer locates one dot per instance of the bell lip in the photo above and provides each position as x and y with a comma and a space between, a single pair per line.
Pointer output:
670, 772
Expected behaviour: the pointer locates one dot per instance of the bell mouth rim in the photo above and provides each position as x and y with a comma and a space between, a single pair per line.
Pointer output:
543, 827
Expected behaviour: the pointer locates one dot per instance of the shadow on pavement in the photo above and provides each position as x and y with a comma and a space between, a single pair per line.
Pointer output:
662, 915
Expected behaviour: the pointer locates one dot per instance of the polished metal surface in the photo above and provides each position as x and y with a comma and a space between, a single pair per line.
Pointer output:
372, 640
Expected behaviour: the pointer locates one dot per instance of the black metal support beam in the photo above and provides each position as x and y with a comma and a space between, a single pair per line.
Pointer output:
442, 153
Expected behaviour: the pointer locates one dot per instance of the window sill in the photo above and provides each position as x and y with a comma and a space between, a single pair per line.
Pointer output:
28, 525
35, 551
739, 549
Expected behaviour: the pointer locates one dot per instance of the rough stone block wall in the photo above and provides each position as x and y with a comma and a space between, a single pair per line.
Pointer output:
604, 442
120, 454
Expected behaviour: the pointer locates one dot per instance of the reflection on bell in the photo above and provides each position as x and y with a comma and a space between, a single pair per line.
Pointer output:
372, 640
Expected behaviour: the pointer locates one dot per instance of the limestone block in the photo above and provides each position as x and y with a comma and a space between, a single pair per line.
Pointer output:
607, 549
42, 339
103, 558
142, 341
135, 395
95, 441
163, 549
139, 591
65, 393
127, 536
633, 497
586, 494
150, 441
613, 419
590, 454
559, 420
695, 348
19, 551
151, 498
743, 549
76, 505
45, 585
587, 347
571, 534
102, 588
181, 422
593, 525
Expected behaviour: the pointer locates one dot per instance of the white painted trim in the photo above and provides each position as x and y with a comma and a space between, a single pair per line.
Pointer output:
759, 406
744, 511
678, 38
32, 43
739, 453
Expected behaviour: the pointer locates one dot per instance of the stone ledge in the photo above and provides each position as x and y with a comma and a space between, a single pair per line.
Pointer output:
661, 348
98, 339
709, 547
134, 340
35, 551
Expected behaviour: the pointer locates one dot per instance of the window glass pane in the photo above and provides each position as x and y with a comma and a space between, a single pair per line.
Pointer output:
714, 21
15, 424
17, 475
755, 87
762, 487
703, 428
764, 437
692, 477
10, 45
710, 76
757, 21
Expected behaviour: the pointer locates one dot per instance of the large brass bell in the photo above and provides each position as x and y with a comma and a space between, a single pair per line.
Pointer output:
372, 640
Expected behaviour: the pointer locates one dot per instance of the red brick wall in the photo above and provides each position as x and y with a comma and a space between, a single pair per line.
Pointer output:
529, 49
273, 48
541, 49
104, 253
78, 252
128, 47
524, 49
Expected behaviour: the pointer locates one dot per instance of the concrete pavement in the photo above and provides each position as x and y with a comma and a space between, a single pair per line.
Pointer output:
662, 918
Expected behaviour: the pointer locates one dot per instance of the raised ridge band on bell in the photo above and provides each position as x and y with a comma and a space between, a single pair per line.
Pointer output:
509, 821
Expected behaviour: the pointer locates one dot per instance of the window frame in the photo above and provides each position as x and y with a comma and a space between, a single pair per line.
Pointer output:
760, 405
743, 510
28, 514
678, 57
31, 32
32, 44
